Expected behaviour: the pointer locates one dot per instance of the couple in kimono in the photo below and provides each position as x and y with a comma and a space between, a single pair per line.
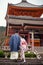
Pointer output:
17, 43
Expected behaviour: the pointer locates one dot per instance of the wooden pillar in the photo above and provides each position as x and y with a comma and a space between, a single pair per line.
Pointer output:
28, 38
32, 41
6, 31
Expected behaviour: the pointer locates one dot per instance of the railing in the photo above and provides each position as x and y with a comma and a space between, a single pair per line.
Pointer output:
5, 48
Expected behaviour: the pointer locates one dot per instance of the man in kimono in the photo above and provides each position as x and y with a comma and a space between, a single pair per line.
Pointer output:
14, 45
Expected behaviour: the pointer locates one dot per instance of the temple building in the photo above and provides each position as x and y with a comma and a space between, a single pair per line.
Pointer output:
24, 17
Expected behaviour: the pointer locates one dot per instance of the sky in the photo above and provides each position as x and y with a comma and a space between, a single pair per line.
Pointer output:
4, 4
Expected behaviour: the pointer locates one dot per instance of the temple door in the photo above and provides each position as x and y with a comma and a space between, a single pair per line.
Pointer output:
41, 40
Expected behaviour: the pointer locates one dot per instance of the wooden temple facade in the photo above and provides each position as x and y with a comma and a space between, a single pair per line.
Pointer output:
25, 18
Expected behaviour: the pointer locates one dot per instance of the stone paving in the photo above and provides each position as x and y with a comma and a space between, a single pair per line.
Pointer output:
19, 62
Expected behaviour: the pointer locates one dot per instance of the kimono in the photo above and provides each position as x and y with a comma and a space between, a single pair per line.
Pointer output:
14, 46
23, 47
14, 42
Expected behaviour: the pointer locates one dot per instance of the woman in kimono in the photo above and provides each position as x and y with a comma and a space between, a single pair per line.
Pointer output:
23, 49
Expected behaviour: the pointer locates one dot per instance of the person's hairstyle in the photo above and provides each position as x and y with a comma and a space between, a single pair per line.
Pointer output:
22, 36
16, 31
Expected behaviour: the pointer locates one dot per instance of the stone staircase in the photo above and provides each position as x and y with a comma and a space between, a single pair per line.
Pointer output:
39, 49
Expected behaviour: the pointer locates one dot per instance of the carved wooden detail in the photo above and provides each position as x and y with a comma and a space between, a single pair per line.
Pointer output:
21, 11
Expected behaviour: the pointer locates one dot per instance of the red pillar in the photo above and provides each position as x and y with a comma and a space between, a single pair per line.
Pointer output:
29, 38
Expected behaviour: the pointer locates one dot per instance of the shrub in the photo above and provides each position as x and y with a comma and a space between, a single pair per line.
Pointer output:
2, 54
30, 55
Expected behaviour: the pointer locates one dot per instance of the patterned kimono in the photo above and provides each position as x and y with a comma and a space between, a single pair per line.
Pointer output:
23, 47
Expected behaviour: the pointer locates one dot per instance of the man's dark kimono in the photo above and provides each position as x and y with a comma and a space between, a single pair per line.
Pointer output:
14, 42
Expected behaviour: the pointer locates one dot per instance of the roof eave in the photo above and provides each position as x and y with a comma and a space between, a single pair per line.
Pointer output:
25, 17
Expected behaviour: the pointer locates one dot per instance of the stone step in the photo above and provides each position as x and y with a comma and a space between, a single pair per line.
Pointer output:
19, 62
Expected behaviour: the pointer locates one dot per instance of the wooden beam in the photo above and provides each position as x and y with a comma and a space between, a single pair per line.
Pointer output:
33, 27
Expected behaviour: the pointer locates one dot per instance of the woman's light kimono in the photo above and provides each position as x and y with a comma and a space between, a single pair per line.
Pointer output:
23, 48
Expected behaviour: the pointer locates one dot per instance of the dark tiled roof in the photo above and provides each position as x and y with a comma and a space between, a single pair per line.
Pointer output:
24, 3
41, 5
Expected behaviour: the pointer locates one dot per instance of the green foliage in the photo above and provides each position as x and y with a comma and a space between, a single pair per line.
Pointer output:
2, 54
2, 28
2, 34
30, 55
